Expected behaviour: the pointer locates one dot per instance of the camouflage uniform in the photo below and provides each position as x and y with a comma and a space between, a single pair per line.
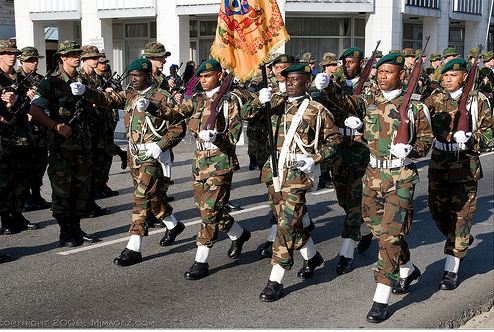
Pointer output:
453, 175
388, 192
290, 208
157, 50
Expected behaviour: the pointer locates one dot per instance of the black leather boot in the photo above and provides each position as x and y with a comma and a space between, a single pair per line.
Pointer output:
404, 283
364, 243
378, 313
22, 222
8, 225
38, 201
449, 281
272, 292
197, 271
128, 257
67, 236
236, 246
307, 270
80, 234
265, 250
170, 235
232, 207
344, 265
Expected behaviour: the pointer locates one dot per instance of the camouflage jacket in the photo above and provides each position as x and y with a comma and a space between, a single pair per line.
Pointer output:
486, 83
55, 96
222, 159
16, 133
161, 81
444, 113
316, 120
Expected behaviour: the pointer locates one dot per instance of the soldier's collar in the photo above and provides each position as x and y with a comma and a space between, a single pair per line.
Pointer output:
390, 95
211, 93
456, 94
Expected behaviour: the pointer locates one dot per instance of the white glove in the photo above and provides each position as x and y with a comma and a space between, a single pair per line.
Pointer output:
401, 150
207, 135
142, 104
461, 137
77, 88
153, 150
321, 81
265, 95
353, 122
308, 166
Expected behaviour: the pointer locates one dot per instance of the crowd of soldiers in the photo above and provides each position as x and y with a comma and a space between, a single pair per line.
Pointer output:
336, 127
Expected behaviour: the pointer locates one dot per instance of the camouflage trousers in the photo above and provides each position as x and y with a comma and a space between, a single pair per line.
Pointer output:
258, 136
388, 211
210, 197
289, 211
70, 178
14, 176
452, 205
150, 186
348, 169
38, 165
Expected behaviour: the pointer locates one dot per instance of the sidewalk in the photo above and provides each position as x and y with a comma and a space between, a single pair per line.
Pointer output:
484, 320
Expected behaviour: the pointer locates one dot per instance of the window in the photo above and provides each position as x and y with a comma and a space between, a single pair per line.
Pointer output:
136, 30
207, 28
412, 35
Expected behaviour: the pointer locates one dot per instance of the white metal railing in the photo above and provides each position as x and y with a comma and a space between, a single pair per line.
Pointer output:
125, 5
54, 6
468, 6
433, 4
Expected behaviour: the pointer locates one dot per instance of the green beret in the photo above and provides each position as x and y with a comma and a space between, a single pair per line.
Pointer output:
141, 64
352, 52
487, 56
299, 68
450, 51
284, 58
208, 65
455, 64
435, 56
392, 58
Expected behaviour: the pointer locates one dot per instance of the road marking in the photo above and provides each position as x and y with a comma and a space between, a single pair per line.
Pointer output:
322, 192
162, 230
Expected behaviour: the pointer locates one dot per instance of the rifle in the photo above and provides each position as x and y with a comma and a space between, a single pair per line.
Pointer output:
115, 84
221, 96
20, 89
366, 72
467, 88
402, 134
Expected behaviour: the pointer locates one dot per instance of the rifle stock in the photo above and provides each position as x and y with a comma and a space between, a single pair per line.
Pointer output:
225, 87
366, 72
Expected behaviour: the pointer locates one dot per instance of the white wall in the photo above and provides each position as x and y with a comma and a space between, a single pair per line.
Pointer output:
386, 25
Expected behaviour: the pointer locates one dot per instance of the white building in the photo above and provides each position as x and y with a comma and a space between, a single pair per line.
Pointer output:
7, 26
187, 27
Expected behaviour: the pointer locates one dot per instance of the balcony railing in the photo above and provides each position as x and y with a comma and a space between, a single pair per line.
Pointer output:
125, 5
333, 1
468, 6
432, 4
54, 9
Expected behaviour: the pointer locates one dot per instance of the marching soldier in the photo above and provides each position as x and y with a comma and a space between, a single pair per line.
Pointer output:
69, 140
390, 178
435, 60
455, 168
16, 142
157, 54
350, 163
304, 135
486, 76
29, 59
309, 60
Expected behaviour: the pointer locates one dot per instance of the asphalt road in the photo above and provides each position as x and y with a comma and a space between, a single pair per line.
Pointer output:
47, 286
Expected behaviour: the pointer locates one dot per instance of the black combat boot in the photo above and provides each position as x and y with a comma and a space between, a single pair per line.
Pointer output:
170, 235
232, 207
38, 201
378, 313
404, 283
272, 292
93, 210
197, 271
79, 233
106, 191
307, 270
22, 222
67, 237
154, 222
8, 225
364, 243
123, 157
344, 265
265, 250
449, 281
128, 257
236, 246
252, 163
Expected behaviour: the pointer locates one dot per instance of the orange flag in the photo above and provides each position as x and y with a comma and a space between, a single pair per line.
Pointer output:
248, 32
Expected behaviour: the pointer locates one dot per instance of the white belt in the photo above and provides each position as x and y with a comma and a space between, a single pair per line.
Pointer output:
349, 132
293, 158
449, 146
143, 146
205, 146
390, 163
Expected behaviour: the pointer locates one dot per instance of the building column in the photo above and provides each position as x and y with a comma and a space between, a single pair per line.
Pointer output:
438, 29
169, 30
391, 33
472, 36
94, 27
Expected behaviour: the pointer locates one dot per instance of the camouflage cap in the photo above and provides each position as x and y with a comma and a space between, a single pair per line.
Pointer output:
392, 58
8, 46
28, 53
450, 51
435, 56
352, 52
455, 65
307, 57
394, 52
154, 50
208, 65
272, 57
284, 58
141, 64
378, 54
329, 59
487, 56
298, 68
68, 46
408, 52
103, 59
474, 52
90, 51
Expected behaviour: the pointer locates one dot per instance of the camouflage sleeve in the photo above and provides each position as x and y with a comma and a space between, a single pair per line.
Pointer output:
422, 141
113, 99
482, 137
174, 134
348, 105
329, 136
252, 109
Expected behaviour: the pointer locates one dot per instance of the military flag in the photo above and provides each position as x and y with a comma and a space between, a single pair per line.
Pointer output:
248, 32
